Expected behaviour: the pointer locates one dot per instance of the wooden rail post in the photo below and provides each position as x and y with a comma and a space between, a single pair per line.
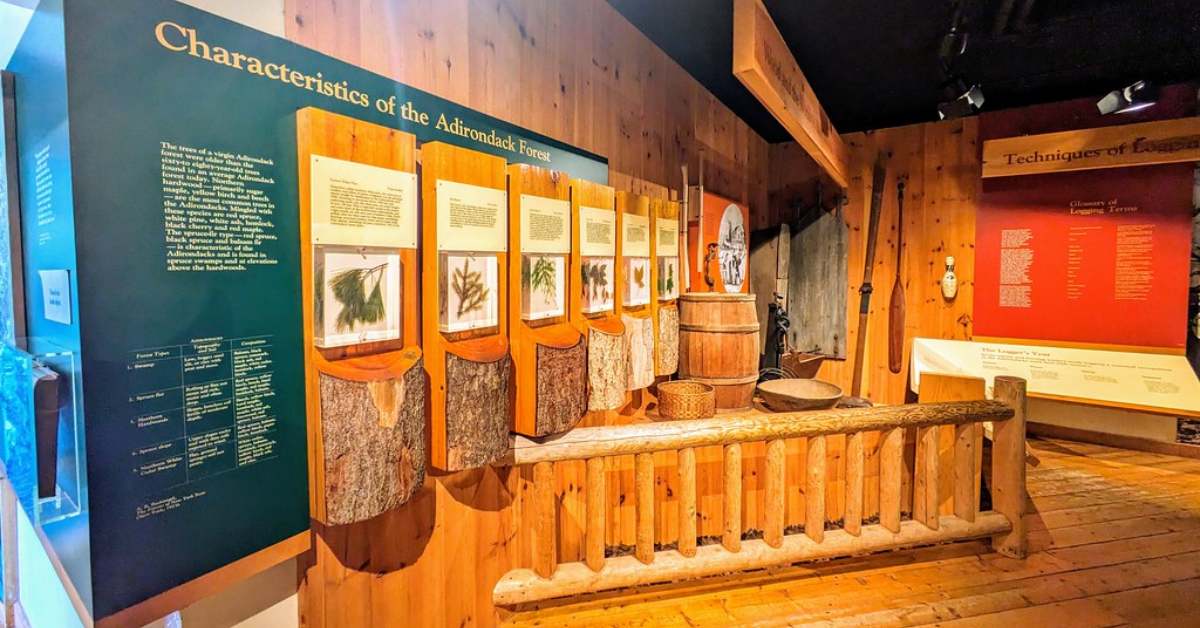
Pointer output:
1008, 466
891, 484
687, 501
814, 490
733, 498
776, 502
643, 486
965, 482
545, 556
852, 519
8, 543
596, 491
925, 478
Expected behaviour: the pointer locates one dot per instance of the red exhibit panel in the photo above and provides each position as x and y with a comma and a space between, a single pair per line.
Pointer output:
1097, 256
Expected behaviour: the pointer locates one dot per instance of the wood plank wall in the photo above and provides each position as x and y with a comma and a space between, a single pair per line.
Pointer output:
942, 166
578, 72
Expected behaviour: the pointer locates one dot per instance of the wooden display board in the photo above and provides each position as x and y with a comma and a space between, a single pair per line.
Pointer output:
364, 458
549, 354
665, 313
602, 329
469, 374
631, 208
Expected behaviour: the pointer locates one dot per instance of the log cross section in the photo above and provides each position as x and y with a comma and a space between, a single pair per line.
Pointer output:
819, 539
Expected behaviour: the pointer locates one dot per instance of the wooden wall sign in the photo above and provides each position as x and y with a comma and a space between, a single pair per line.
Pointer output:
763, 63
464, 305
592, 303
365, 400
549, 354
664, 309
1143, 144
635, 285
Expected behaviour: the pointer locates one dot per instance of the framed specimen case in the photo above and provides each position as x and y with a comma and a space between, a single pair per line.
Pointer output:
549, 354
365, 386
467, 355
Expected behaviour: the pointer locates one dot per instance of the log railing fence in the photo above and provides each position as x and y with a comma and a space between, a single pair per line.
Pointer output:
548, 579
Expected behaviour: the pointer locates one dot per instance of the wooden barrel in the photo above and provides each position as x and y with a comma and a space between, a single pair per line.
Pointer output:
718, 345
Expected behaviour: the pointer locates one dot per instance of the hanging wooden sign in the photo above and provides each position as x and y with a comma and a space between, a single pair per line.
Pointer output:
549, 354
592, 303
365, 393
464, 305
763, 63
1143, 144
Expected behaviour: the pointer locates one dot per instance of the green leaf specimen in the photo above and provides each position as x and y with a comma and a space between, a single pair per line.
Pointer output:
360, 291
541, 278
469, 288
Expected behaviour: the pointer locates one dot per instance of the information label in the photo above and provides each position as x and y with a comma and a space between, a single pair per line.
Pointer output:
1097, 256
471, 218
668, 237
597, 232
1149, 380
545, 225
360, 205
635, 236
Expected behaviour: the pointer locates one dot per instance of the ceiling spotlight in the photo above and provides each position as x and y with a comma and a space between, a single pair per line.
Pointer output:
968, 101
1136, 97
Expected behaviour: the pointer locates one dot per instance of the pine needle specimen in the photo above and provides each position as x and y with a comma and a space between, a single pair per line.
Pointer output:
360, 291
468, 286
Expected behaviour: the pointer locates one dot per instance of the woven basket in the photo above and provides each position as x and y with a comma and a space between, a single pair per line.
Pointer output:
686, 399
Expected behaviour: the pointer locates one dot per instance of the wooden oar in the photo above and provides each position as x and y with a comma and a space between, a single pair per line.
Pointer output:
896, 310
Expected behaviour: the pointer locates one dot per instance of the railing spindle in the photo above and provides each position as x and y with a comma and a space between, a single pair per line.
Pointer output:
775, 481
891, 465
852, 518
596, 505
814, 491
925, 478
1008, 467
732, 539
965, 505
643, 486
545, 559
687, 501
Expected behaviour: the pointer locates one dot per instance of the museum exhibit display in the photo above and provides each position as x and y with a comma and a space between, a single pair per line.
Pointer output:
465, 305
549, 354
635, 287
365, 382
598, 313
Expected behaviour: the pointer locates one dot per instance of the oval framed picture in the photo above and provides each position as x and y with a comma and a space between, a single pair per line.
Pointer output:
732, 248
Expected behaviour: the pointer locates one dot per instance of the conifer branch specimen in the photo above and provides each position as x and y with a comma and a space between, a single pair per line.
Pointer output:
469, 288
362, 301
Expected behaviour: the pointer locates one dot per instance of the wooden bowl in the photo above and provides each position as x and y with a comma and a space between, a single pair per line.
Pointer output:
801, 365
796, 395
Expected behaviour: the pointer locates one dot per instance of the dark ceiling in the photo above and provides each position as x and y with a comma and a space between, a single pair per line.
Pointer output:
874, 63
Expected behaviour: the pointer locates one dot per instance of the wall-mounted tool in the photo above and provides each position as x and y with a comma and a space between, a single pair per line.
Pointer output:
878, 180
896, 310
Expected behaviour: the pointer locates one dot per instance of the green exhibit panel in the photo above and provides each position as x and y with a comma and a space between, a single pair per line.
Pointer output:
157, 154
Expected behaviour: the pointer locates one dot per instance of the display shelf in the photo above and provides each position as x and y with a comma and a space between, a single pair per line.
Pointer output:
365, 401
469, 371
